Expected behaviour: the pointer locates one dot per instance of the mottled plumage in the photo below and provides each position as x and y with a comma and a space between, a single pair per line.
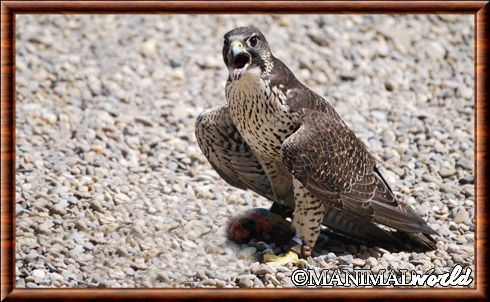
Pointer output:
280, 139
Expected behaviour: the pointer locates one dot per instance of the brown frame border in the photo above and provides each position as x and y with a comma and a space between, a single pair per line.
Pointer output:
10, 8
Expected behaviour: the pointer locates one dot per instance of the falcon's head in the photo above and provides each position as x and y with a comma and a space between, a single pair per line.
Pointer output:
245, 50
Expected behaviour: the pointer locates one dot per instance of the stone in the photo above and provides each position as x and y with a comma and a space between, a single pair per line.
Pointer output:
80, 224
95, 204
371, 261
331, 256
287, 283
374, 253
358, 262
258, 283
468, 179
220, 284
461, 216
263, 270
447, 172
346, 259
245, 281
38, 275
122, 251
209, 282
88, 246
163, 277
31, 285
247, 252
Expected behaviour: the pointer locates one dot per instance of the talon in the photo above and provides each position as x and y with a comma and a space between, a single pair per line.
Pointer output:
291, 257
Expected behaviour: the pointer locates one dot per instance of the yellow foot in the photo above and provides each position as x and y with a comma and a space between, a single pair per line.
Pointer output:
291, 257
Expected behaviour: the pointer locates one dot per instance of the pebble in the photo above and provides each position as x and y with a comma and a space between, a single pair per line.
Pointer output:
121, 198
447, 172
38, 275
346, 259
417, 262
376, 269
258, 283
358, 262
56, 279
223, 276
371, 261
220, 284
379, 115
461, 216
468, 193
374, 253
263, 270
88, 246
463, 163
44, 228
469, 179
31, 256
331, 256
59, 209
72, 201
262, 245
389, 137
163, 277
201, 274
81, 225
247, 252
31, 285
457, 258
287, 282
273, 280
122, 251
466, 92
209, 282
430, 178
246, 281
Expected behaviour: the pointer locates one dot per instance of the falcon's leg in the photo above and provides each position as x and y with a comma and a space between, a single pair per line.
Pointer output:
307, 218
280, 179
228, 153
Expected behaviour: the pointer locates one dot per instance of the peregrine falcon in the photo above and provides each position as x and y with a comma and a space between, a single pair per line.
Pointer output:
283, 141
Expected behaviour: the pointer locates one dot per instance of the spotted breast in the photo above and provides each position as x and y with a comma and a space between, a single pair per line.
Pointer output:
260, 114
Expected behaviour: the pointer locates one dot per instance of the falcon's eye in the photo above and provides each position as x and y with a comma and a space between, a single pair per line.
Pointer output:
253, 41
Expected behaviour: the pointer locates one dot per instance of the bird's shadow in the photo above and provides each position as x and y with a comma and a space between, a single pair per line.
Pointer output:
329, 241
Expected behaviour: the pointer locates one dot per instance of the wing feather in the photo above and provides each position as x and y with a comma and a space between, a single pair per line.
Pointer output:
228, 153
327, 157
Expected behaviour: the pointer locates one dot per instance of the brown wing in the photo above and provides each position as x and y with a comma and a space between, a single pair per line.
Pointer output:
228, 153
326, 157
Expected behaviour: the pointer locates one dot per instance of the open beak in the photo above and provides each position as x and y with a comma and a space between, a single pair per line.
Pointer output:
239, 60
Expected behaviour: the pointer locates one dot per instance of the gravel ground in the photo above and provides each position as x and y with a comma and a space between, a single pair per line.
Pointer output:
113, 191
